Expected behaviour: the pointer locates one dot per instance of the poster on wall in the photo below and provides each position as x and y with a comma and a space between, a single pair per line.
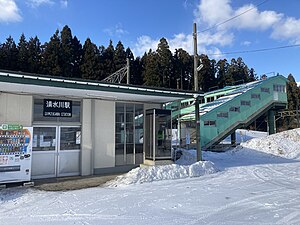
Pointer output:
15, 153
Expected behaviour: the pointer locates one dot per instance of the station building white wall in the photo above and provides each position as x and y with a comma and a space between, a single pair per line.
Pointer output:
16, 109
97, 124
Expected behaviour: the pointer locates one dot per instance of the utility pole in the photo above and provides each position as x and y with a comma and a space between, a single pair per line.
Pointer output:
196, 88
128, 70
197, 96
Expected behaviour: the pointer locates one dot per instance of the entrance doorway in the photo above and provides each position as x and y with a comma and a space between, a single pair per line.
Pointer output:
56, 151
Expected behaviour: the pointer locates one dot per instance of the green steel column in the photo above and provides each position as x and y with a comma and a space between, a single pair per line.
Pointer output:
233, 138
197, 118
271, 122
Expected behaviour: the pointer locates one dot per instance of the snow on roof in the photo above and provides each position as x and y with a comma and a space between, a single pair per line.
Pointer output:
227, 97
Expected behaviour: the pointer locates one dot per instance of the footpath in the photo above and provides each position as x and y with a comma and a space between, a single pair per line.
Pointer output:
72, 183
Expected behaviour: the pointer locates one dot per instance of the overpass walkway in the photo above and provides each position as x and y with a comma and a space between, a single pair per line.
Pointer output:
236, 109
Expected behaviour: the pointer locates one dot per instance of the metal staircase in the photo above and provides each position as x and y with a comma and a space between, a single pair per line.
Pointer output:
237, 109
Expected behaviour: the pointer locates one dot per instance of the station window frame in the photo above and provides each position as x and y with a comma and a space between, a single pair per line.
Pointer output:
211, 123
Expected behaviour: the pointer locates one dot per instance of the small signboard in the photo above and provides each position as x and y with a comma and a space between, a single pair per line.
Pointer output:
57, 108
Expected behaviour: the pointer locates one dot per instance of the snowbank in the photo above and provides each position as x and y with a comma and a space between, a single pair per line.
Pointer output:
285, 144
166, 172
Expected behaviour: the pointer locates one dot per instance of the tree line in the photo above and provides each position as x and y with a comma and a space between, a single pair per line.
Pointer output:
63, 55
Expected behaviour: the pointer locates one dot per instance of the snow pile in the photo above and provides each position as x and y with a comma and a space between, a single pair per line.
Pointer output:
285, 144
187, 157
166, 172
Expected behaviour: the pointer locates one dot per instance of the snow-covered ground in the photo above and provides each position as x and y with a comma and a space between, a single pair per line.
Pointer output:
256, 183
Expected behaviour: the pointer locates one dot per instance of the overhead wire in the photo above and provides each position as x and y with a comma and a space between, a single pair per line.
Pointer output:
234, 17
255, 50
245, 51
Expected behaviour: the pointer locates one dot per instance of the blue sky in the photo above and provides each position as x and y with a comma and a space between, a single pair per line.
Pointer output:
139, 24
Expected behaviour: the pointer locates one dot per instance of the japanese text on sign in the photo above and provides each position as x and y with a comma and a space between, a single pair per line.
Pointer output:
57, 108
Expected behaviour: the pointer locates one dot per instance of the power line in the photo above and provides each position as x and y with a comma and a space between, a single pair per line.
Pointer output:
234, 17
256, 50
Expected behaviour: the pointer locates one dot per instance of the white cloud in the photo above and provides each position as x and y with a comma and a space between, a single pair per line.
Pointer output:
254, 19
210, 13
144, 44
246, 43
287, 29
37, 3
9, 11
64, 3
118, 30
213, 12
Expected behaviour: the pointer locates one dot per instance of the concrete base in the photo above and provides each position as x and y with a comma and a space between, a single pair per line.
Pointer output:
148, 162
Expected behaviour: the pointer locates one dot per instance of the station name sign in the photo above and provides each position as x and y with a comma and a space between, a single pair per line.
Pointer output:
57, 108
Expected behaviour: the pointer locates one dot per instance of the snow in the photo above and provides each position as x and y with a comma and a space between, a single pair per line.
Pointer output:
166, 172
245, 135
251, 184
284, 144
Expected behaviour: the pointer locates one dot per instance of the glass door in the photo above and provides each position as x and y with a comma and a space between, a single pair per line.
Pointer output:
69, 151
56, 151
44, 152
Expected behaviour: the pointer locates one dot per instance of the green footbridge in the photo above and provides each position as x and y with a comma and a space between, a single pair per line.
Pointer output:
225, 110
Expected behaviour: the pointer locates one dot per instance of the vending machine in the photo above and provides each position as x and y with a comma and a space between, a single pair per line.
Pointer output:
15, 153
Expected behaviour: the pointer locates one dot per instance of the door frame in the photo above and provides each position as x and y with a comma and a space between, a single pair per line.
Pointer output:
60, 152
57, 152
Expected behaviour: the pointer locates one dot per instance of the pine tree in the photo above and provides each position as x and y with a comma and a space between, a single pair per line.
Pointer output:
293, 95
152, 70
206, 75
102, 66
108, 60
51, 56
10, 53
67, 53
165, 64
136, 68
22, 54
77, 57
183, 69
252, 75
90, 61
2, 56
136, 71
34, 55
222, 79
119, 56
239, 70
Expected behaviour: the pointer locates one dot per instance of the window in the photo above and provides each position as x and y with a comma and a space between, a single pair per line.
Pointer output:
70, 138
129, 133
255, 96
267, 90
44, 139
234, 109
210, 99
219, 96
279, 88
245, 103
222, 114
210, 123
184, 104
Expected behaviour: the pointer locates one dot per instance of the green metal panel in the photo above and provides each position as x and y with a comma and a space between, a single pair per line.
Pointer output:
225, 125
